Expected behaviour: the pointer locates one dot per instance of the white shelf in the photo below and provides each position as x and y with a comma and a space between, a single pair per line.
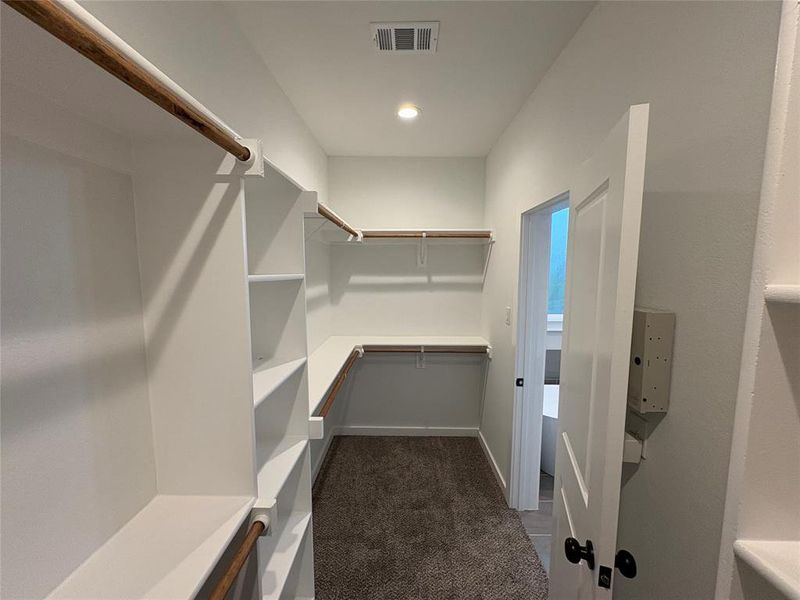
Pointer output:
327, 231
275, 277
279, 464
284, 551
267, 380
166, 551
777, 561
789, 294
326, 361
431, 238
429, 241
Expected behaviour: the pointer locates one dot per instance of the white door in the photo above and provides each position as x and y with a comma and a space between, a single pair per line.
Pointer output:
605, 214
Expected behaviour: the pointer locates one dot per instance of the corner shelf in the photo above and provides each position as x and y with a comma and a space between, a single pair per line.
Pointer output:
165, 551
267, 380
786, 294
275, 277
775, 560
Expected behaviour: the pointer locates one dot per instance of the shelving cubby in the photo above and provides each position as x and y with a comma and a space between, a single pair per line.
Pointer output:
133, 422
129, 324
275, 259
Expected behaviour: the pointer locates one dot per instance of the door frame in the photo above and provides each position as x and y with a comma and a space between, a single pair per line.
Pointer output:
526, 433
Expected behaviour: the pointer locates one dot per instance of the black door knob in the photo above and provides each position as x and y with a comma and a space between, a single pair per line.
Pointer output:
626, 564
575, 553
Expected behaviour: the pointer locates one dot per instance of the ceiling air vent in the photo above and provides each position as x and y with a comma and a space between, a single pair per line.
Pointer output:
408, 38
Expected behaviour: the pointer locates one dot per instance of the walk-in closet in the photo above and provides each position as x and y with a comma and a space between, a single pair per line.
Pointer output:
387, 300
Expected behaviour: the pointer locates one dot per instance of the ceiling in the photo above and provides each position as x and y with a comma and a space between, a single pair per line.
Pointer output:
490, 57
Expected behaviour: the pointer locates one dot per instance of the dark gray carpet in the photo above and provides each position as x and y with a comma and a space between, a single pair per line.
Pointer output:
417, 517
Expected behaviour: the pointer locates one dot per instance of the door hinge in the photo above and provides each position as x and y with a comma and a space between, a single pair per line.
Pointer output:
604, 577
520, 382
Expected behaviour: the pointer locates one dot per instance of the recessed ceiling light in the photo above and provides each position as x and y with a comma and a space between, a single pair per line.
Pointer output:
408, 112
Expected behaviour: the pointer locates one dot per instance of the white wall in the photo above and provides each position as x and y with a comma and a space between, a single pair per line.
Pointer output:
199, 45
318, 294
763, 491
380, 290
392, 391
377, 288
706, 70
388, 192
77, 441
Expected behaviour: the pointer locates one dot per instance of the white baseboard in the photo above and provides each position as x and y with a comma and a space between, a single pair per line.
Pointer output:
493, 463
407, 431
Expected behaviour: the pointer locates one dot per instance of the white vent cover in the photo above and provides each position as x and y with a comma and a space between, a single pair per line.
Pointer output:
408, 38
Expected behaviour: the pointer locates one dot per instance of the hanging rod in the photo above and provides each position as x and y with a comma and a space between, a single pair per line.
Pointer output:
428, 349
423, 233
364, 234
224, 584
337, 384
115, 57
441, 349
356, 353
336, 220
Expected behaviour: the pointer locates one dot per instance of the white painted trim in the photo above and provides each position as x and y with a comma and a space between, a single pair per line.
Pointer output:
555, 322
493, 463
315, 468
526, 432
406, 431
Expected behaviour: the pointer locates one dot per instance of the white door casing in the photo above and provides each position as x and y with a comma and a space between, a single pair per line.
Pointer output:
605, 216
531, 351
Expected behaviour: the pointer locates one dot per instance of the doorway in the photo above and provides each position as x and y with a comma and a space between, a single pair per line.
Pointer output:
541, 308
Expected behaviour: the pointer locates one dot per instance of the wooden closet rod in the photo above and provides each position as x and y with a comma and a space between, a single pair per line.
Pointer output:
51, 16
337, 384
335, 219
429, 349
428, 234
224, 584
351, 360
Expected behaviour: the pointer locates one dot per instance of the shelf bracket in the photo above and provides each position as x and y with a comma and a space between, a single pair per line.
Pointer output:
266, 512
632, 449
254, 164
421, 358
422, 255
488, 255
316, 427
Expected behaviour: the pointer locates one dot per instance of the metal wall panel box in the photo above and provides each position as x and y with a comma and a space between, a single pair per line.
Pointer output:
651, 360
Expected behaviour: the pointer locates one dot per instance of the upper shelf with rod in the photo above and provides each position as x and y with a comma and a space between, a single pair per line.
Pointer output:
332, 228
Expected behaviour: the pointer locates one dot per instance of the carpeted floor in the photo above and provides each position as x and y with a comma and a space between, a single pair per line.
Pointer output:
418, 518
